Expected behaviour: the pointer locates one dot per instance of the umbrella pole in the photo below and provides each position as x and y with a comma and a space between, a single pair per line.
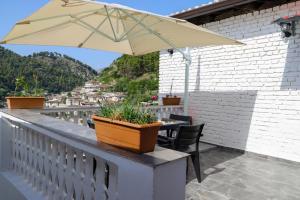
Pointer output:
188, 62
186, 56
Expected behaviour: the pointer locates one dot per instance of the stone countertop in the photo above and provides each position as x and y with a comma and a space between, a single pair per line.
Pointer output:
160, 156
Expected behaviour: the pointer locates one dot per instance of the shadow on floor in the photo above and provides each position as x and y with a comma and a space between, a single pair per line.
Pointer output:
210, 163
232, 175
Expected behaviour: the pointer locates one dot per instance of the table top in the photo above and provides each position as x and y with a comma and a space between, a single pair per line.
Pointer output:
171, 123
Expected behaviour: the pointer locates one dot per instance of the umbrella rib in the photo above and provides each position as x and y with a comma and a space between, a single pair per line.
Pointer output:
59, 16
92, 33
45, 29
32, 33
154, 33
111, 25
125, 30
132, 28
136, 34
88, 26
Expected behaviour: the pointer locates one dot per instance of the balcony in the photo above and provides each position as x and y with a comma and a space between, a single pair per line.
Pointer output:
42, 157
51, 154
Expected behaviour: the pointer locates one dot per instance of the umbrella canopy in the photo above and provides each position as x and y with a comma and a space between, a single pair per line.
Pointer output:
111, 27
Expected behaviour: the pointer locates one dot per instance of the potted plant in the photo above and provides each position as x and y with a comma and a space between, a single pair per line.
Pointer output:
127, 127
170, 99
25, 97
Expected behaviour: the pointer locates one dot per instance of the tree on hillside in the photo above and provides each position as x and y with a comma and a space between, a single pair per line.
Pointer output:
135, 75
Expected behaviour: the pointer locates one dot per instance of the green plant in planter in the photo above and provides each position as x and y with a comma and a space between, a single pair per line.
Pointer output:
127, 112
23, 88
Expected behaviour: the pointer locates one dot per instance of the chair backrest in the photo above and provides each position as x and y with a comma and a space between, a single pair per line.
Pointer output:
188, 135
182, 118
90, 124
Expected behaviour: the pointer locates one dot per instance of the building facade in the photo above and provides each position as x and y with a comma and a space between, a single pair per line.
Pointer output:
248, 95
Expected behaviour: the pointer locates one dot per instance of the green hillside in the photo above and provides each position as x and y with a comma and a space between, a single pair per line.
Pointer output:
55, 72
135, 75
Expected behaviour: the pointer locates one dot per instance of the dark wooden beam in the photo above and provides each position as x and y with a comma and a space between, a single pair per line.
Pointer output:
226, 9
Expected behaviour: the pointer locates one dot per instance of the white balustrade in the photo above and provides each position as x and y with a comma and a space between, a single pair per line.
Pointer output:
46, 158
77, 115
80, 115
57, 169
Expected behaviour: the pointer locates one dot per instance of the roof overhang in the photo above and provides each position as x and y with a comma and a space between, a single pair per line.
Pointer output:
211, 8
225, 9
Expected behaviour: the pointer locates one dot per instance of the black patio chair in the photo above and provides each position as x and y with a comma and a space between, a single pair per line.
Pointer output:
184, 118
187, 141
90, 123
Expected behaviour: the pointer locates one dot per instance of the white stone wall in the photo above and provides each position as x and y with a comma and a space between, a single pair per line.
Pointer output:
249, 95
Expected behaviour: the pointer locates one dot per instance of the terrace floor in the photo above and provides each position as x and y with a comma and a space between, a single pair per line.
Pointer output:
229, 175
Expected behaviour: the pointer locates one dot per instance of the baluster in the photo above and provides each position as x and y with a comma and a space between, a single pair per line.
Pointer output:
70, 171
18, 151
100, 190
47, 166
71, 116
59, 115
80, 118
61, 179
79, 175
30, 156
76, 117
41, 162
162, 110
35, 159
53, 169
112, 186
89, 179
14, 152
25, 158
84, 119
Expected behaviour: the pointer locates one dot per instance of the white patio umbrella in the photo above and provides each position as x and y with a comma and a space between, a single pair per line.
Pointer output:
111, 27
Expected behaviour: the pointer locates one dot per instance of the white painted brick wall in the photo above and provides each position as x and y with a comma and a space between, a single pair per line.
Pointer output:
248, 96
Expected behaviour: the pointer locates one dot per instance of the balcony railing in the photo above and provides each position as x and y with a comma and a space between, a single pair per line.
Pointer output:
80, 115
46, 158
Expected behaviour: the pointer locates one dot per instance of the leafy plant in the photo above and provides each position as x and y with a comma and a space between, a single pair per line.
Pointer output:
23, 88
126, 112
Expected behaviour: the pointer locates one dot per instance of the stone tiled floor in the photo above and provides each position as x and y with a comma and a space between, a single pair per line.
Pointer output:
231, 175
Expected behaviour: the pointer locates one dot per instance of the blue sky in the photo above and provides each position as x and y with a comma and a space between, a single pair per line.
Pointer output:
15, 10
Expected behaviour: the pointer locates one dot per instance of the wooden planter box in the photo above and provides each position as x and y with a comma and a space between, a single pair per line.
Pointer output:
25, 102
168, 101
133, 137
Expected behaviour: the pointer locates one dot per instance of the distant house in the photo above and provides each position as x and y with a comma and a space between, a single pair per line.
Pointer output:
88, 104
93, 98
248, 96
53, 103
91, 86
73, 101
112, 96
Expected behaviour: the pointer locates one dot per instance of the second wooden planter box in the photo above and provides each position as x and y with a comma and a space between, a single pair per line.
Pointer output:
168, 101
25, 102
133, 137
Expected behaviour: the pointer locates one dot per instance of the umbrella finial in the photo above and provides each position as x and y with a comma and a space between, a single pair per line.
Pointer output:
23, 22
65, 1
